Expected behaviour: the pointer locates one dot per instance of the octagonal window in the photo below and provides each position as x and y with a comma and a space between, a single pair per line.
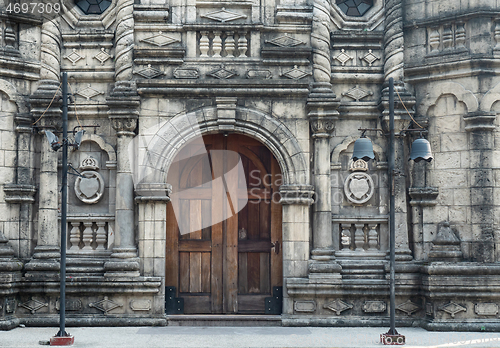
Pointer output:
93, 6
355, 8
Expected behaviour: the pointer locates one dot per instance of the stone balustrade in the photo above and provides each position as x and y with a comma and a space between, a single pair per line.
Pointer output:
223, 43
90, 235
361, 236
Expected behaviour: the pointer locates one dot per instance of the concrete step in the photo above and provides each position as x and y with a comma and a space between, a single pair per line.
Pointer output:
223, 320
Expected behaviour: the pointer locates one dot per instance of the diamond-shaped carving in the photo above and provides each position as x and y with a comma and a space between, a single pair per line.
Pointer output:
370, 58
149, 72
357, 93
33, 305
160, 40
105, 305
285, 41
295, 73
337, 306
222, 73
452, 308
74, 57
408, 307
88, 92
343, 57
223, 16
102, 56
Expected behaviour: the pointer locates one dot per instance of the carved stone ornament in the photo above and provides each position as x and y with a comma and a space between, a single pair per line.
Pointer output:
285, 41
223, 16
88, 92
338, 306
102, 56
186, 73
374, 306
408, 307
160, 40
89, 187
33, 305
123, 124
149, 72
105, 305
358, 166
74, 57
343, 57
452, 308
259, 74
359, 188
357, 93
304, 306
295, 73
321, 125
486, 309
140, 305
222, 73
71, 305
370, 58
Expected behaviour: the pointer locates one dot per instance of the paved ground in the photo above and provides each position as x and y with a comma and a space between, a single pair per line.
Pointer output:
172, 336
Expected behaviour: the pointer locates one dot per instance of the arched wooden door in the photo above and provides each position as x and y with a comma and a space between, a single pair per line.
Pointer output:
231, 258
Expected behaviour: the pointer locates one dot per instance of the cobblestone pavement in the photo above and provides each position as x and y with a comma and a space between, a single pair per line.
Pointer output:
183, 336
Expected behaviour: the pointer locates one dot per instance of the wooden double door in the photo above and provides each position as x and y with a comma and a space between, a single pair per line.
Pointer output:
223, 245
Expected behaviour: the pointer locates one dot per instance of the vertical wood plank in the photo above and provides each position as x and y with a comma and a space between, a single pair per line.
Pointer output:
195, 272
206, 219
172, 250
242, 273
253, 219
217, 229
205, 272
195, 218
265, 219
183, 272
265, 276
184, 217
253, 269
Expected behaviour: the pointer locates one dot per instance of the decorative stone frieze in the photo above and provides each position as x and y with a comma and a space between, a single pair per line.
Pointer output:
296, 194
408, 307
337, 306
423, 196
322, 126
452, 308
374, 306
487, 309
304, 306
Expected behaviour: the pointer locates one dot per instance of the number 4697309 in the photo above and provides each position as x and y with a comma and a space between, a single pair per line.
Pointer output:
33, 8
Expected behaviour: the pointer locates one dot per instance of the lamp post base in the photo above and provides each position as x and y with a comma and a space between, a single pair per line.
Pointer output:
62, 340
392, 340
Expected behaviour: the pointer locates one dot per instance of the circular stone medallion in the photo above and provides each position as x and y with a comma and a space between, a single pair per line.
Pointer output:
89, 187
358, 188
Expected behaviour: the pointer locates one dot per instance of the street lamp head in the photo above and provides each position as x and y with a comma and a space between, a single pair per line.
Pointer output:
53, 140
363, 149
78, 139
421, 150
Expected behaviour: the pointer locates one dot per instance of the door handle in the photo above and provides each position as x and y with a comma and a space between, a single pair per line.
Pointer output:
276, 247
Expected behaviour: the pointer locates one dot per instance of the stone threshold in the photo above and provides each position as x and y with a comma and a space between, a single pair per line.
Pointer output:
223, 320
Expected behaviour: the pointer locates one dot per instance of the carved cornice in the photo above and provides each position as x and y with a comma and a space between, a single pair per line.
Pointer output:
480, 121
423, 196
123, 106
297, 194
17, 194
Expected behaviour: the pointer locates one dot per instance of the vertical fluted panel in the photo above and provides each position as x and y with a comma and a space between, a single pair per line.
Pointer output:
393, 40
50, 51
320, 41
124, 40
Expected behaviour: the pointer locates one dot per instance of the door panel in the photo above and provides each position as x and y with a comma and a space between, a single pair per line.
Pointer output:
228, 267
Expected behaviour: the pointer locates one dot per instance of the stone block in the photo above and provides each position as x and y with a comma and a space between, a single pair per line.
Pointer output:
447, 124
159, 248
454, 142
297, 251
148, 266
461, 196
159, 266
447, 160
296, 232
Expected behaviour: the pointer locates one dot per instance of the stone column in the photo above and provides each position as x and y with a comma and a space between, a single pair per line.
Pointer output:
44, 262
322, 106
480, 126
394, 67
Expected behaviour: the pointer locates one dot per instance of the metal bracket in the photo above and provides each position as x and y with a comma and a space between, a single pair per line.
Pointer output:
274, 305
173, 305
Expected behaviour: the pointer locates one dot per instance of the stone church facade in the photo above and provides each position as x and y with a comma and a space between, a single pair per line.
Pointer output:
287, 84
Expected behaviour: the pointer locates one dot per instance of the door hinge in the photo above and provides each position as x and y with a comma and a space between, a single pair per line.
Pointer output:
274, 305
173, 305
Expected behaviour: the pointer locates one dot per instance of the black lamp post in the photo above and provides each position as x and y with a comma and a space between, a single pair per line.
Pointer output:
62, 338
421, 150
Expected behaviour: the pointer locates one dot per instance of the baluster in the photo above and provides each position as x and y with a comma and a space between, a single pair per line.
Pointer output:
10, 36
359, 237
204, 44
447, 37
372, 237
74, 235
497, 33
434, 39
243, 44
460, 35
100, 235
229, 44
87, 235
217, 44
345, 236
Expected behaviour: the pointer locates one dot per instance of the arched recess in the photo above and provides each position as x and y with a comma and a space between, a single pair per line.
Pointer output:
157, 147
490, 98
11, 92
453, 88
110, 151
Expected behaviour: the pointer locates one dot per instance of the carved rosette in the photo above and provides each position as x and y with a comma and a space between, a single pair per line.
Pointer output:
322, 127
